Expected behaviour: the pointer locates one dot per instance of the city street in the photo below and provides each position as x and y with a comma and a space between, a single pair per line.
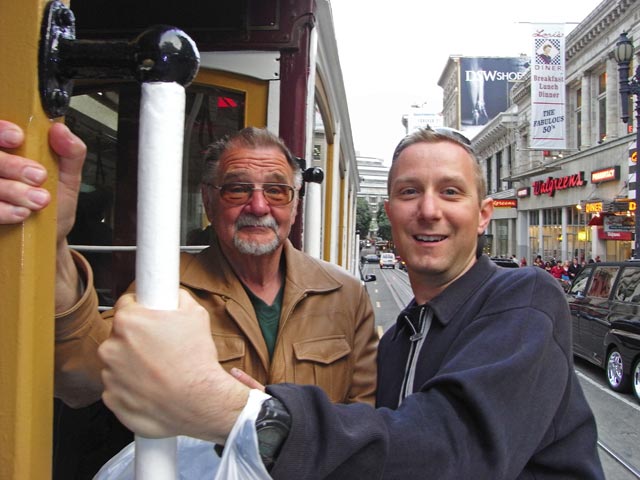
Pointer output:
617, 415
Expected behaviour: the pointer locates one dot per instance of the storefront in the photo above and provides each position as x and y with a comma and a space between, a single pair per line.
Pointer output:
579, 213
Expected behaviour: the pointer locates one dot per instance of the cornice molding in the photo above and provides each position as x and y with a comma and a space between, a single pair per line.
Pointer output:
588, 31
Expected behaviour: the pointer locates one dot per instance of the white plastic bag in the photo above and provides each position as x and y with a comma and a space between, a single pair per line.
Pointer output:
197, 459
241, 459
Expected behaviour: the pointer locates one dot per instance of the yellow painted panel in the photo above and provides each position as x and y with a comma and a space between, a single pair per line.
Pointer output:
27, 265
328, 204
342, 244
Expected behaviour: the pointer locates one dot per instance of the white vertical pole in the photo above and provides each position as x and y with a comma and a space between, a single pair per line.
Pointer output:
158, 234
313, 220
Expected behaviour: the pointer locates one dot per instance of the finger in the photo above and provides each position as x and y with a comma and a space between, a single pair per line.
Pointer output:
11, 136
18, 201
20, 181
246, 379
125, 300
10, 214
65, 143
70, 149
14, 167
186, 300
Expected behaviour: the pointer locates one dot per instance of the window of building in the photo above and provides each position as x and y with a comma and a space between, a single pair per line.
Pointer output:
489, 176
499, 171
533, 217
552, 216
602, 106
578, 118
510, 165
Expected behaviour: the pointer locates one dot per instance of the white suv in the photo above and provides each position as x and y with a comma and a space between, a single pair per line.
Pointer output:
387, 260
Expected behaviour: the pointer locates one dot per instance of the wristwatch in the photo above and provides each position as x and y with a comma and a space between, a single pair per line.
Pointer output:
272, 426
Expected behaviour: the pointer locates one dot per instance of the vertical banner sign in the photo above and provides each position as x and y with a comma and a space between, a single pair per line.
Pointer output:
547, 88
633, 161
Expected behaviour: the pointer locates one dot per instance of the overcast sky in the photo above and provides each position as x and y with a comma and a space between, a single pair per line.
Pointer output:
393, 52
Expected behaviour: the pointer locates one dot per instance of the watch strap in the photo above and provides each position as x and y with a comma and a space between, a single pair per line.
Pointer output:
272, 427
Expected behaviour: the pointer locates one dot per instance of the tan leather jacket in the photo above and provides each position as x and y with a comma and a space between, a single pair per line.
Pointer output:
326, 335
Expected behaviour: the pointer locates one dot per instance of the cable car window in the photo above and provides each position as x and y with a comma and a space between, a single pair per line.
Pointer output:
210, 113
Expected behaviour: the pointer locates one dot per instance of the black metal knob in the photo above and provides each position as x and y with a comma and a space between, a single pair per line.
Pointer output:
166, 54
313, 175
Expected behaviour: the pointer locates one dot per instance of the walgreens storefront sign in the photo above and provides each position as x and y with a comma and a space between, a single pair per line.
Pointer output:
553, 184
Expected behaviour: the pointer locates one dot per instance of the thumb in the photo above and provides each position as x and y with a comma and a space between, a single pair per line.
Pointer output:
71, 152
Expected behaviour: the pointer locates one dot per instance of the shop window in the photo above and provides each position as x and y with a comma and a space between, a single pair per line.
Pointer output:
500, 186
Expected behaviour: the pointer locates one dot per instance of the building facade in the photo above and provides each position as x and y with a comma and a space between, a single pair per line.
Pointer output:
573, 202
373, 186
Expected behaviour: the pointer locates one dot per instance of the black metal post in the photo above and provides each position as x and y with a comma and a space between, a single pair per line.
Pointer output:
630, 86
636, 92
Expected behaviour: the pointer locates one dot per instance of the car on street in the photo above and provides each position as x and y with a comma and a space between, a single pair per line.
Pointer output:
370, 258
387, 260
504, 262
604, 300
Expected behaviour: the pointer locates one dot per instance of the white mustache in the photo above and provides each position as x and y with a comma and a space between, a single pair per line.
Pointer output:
248, 220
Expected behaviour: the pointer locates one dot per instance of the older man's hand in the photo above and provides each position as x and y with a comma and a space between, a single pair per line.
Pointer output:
21, 179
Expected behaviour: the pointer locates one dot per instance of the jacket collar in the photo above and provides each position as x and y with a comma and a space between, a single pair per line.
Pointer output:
447, 305
209, 270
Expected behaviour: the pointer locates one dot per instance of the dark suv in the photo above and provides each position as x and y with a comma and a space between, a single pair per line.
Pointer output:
604, 299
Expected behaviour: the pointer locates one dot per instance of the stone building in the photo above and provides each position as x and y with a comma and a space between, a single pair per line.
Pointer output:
575, 201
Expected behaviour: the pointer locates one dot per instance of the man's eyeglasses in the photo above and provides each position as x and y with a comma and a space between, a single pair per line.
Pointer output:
238, 193
452, 134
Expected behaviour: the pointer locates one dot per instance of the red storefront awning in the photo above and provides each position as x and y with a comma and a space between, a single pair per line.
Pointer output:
597, 220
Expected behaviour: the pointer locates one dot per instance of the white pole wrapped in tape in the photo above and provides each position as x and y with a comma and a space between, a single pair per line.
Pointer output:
164, 60
158, 235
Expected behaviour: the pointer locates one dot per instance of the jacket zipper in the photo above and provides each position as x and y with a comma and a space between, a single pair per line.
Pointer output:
417, 339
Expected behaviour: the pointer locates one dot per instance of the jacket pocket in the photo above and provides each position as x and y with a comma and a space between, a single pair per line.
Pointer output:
325, 362
231, 350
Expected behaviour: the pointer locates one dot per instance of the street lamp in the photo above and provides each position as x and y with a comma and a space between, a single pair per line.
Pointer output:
623, 54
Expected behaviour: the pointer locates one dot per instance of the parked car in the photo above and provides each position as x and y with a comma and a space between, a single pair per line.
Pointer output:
604, 300
387, 260
370, 258
504, 262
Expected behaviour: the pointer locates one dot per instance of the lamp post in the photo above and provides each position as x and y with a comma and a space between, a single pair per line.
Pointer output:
623, 54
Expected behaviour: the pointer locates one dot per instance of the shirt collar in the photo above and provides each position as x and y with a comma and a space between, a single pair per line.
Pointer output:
447, 304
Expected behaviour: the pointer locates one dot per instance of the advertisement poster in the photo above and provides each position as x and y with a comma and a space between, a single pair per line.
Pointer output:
485, 83
548, 125
618, 223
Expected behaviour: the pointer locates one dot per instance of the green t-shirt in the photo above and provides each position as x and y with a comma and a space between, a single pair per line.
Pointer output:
268, 317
